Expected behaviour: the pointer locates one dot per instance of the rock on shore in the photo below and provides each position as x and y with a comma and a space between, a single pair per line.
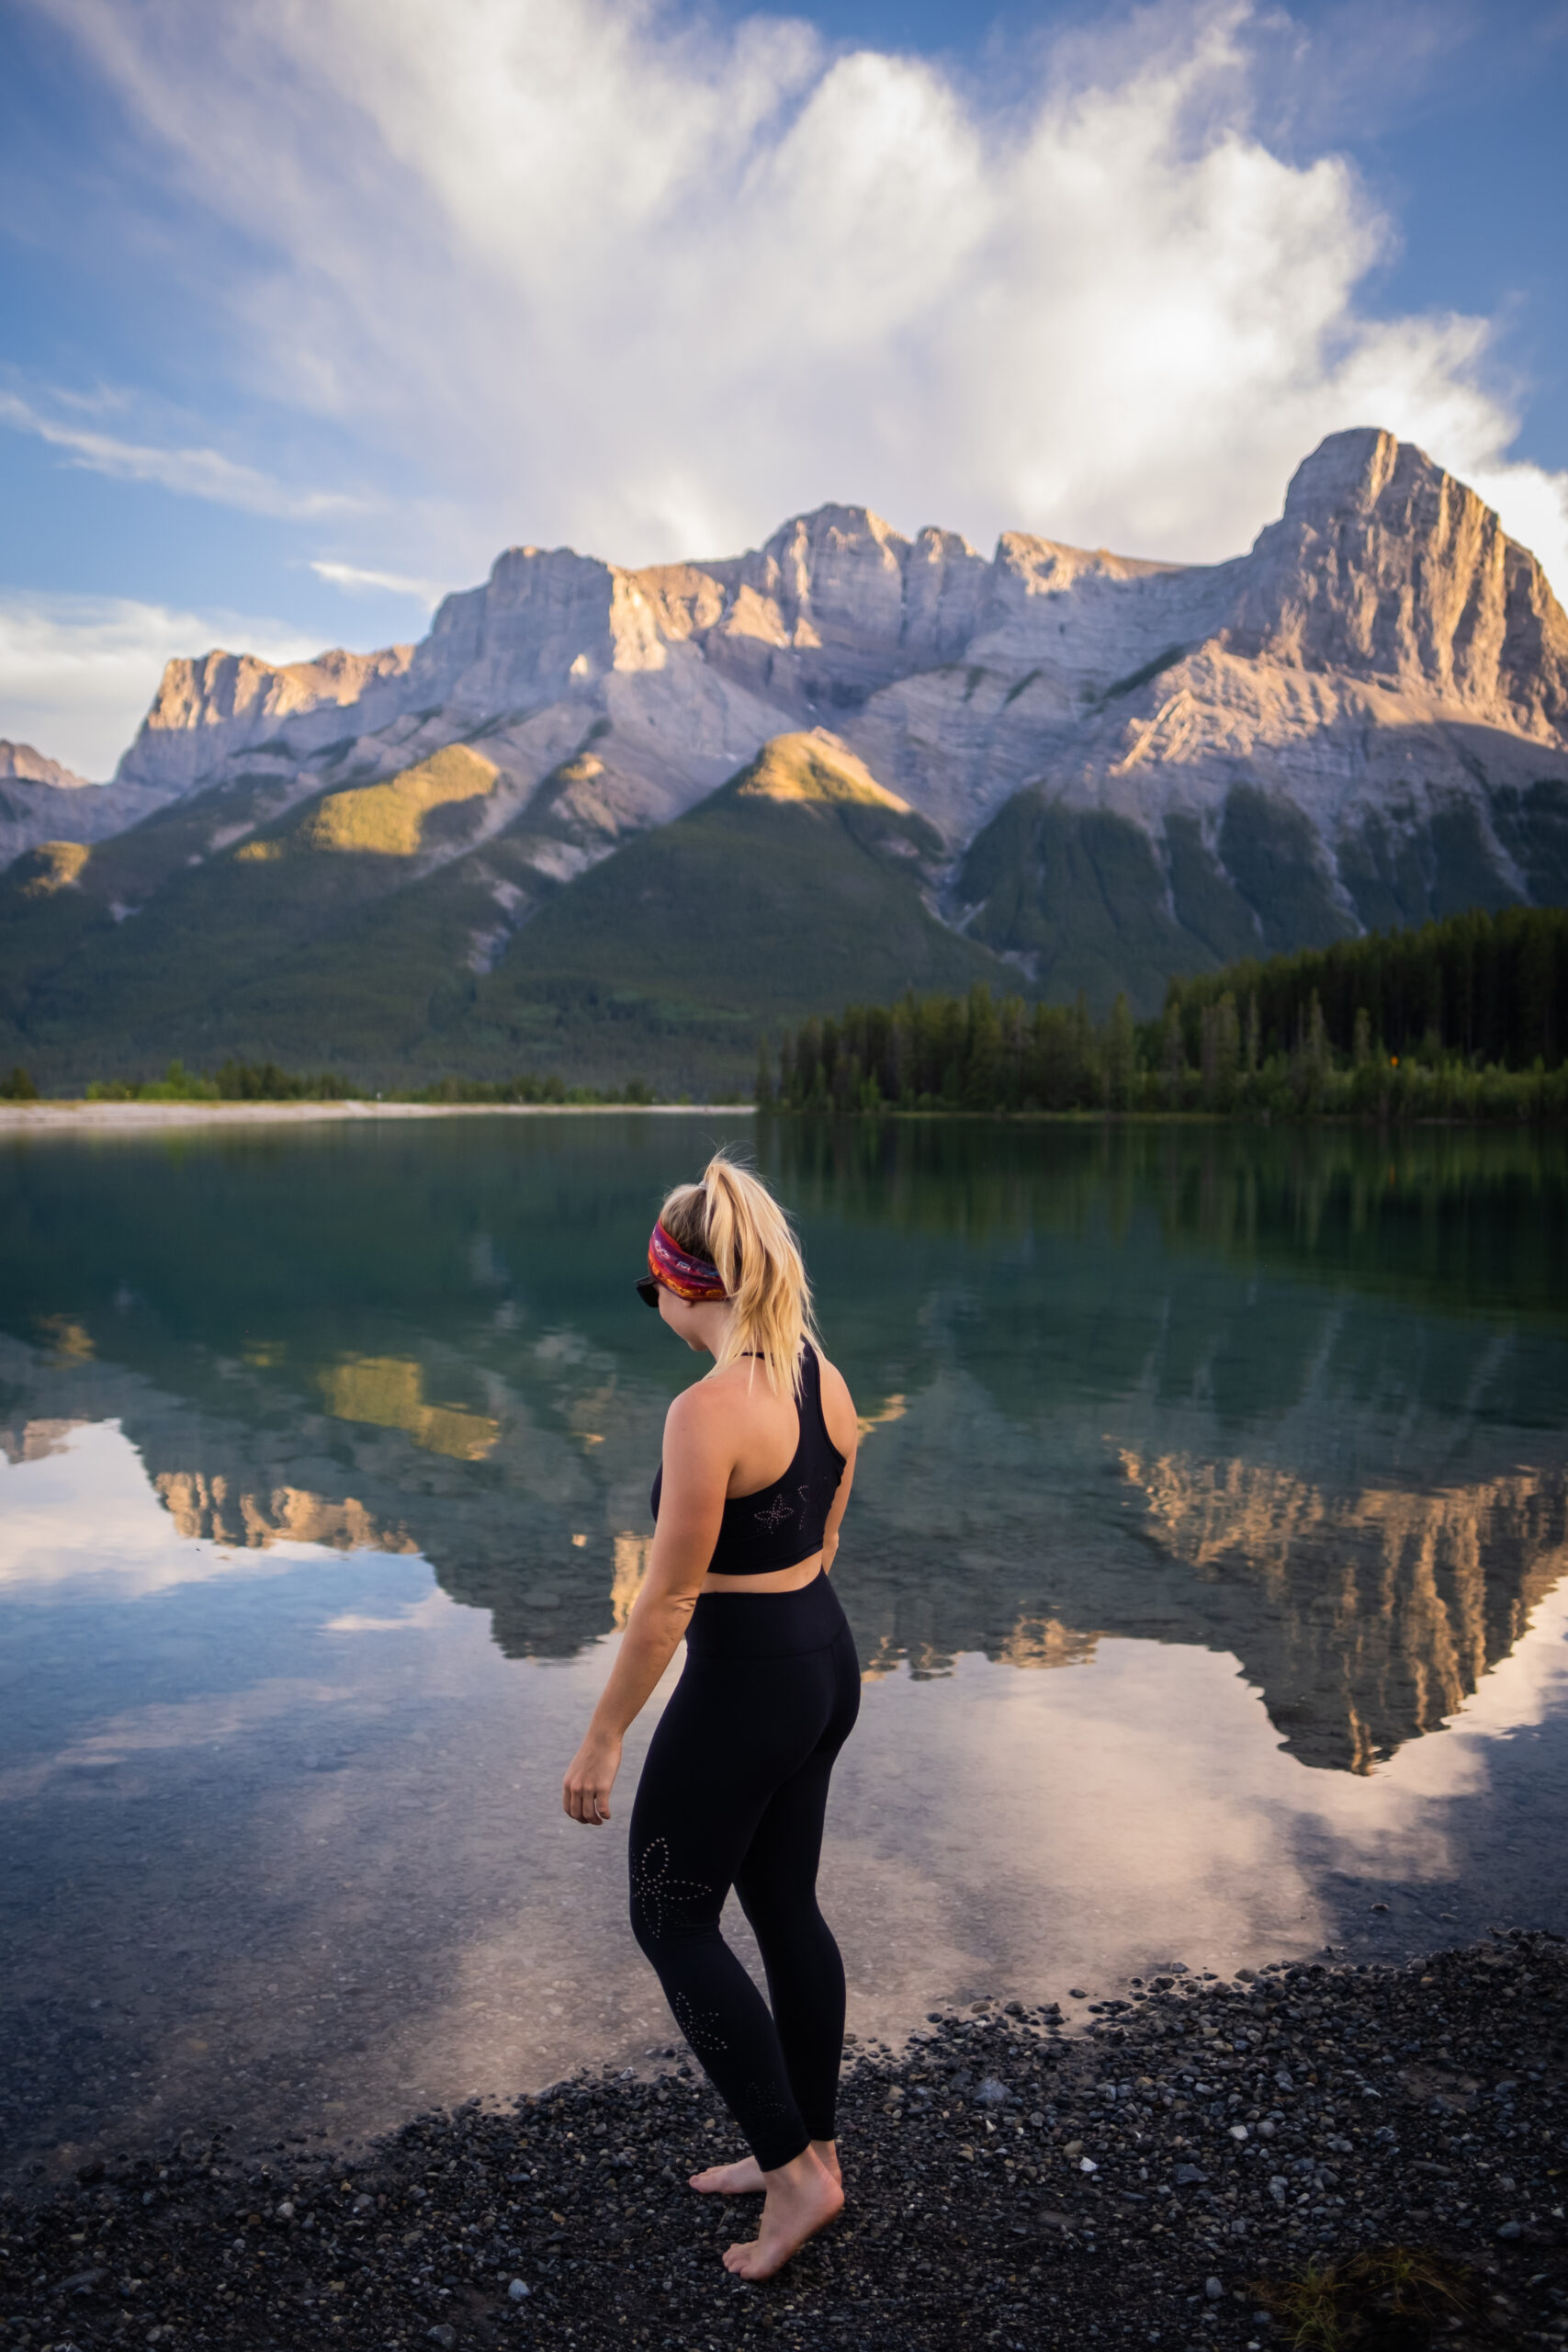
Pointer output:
1161, 2178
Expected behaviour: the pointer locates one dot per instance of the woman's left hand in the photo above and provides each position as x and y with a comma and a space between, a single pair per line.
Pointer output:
590, 1777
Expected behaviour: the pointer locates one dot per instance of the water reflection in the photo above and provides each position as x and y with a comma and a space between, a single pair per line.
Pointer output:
325, 1480
1297, 1397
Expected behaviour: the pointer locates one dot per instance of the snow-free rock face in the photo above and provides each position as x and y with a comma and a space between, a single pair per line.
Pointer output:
1384, 567
217, 705
21, 765
1363, 720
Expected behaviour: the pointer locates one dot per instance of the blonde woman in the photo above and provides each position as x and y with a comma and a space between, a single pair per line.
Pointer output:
758, 1459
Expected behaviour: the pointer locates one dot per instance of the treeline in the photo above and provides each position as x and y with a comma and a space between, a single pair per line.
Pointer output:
974, 1053
233, 1081
237, 1081
1256, 1038
529, 1089
1487, 989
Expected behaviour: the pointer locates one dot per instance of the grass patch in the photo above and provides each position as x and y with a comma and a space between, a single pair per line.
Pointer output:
389, 818
53, 865
1387, 2299
812, 767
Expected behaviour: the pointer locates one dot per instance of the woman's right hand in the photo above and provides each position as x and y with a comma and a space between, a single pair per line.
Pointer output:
590, 1777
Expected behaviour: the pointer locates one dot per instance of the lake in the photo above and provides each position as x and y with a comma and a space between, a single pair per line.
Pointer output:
1207, 1562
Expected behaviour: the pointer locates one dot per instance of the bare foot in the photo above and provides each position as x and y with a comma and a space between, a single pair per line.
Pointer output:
801, 2198
745, 2179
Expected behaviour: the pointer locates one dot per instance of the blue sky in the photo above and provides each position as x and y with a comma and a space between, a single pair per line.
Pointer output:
310, 312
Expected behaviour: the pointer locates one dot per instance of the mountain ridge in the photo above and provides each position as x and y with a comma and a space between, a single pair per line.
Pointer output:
1127, 768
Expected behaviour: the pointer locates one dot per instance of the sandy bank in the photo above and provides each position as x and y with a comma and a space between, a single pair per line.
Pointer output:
139, 1118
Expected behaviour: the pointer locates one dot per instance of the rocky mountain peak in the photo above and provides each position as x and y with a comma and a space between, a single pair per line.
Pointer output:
20, 763
1386, 598
209, 703
1345, 474
1384, 566
837, 577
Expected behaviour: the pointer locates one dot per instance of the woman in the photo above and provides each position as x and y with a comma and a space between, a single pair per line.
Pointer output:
747, 1507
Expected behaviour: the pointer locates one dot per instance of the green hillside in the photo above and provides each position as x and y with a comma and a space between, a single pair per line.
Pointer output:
321, 936
149, 944
1085, 900
1083, 896
401, 930
756, 906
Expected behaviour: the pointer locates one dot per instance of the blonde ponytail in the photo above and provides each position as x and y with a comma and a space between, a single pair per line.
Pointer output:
730, 1218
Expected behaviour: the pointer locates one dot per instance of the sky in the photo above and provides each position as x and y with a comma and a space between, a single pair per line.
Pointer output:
308, 308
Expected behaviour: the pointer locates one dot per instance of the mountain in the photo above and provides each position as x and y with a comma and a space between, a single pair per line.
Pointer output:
525, 840
19, 764
41, 800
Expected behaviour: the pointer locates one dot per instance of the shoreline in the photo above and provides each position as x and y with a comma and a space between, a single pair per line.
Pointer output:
81, 1116
59, 1118
1173, 2174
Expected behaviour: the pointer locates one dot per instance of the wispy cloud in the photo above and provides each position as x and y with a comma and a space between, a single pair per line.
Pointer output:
190, 473
615, 274
350, 576
76, 672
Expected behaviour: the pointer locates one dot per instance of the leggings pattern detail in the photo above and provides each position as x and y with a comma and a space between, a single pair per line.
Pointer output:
734, 1794
654, 1892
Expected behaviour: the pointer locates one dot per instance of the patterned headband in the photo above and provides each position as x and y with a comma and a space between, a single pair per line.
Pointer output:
689, 1278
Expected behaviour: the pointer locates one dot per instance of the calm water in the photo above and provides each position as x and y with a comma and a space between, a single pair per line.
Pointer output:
1207, 1560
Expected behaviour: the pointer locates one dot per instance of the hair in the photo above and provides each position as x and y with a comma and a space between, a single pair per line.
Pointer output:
729, 1217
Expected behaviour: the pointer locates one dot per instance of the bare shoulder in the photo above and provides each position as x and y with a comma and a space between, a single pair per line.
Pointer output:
837, 1406
696, 1411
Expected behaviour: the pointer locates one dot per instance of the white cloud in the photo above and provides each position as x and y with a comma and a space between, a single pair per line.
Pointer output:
77, 672
190, 473
613, 274
84, 1513
350, 576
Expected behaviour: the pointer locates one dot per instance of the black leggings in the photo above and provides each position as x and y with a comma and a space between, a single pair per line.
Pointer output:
733, 1794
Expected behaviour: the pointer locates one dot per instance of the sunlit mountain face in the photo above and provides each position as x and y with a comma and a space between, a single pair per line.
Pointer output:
610, 823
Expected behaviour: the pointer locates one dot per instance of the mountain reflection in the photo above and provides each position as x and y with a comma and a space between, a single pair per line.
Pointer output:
388, 1392
198, 1506
1301, 1399
1388, 1607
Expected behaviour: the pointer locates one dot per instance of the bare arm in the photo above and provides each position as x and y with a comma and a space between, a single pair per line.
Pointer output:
698, 1458
839, 1412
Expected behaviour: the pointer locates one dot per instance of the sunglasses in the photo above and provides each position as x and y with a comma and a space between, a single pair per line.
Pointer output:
646, 1290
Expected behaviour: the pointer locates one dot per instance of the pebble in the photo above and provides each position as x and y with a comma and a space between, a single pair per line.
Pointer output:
1156, 2174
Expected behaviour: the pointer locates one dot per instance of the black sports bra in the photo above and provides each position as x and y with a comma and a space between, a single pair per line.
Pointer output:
781, 1525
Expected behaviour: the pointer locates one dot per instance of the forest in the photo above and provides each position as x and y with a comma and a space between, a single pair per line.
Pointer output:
1465, 1018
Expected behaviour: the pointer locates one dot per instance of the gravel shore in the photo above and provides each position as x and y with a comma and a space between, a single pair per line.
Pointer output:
1166, 2168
